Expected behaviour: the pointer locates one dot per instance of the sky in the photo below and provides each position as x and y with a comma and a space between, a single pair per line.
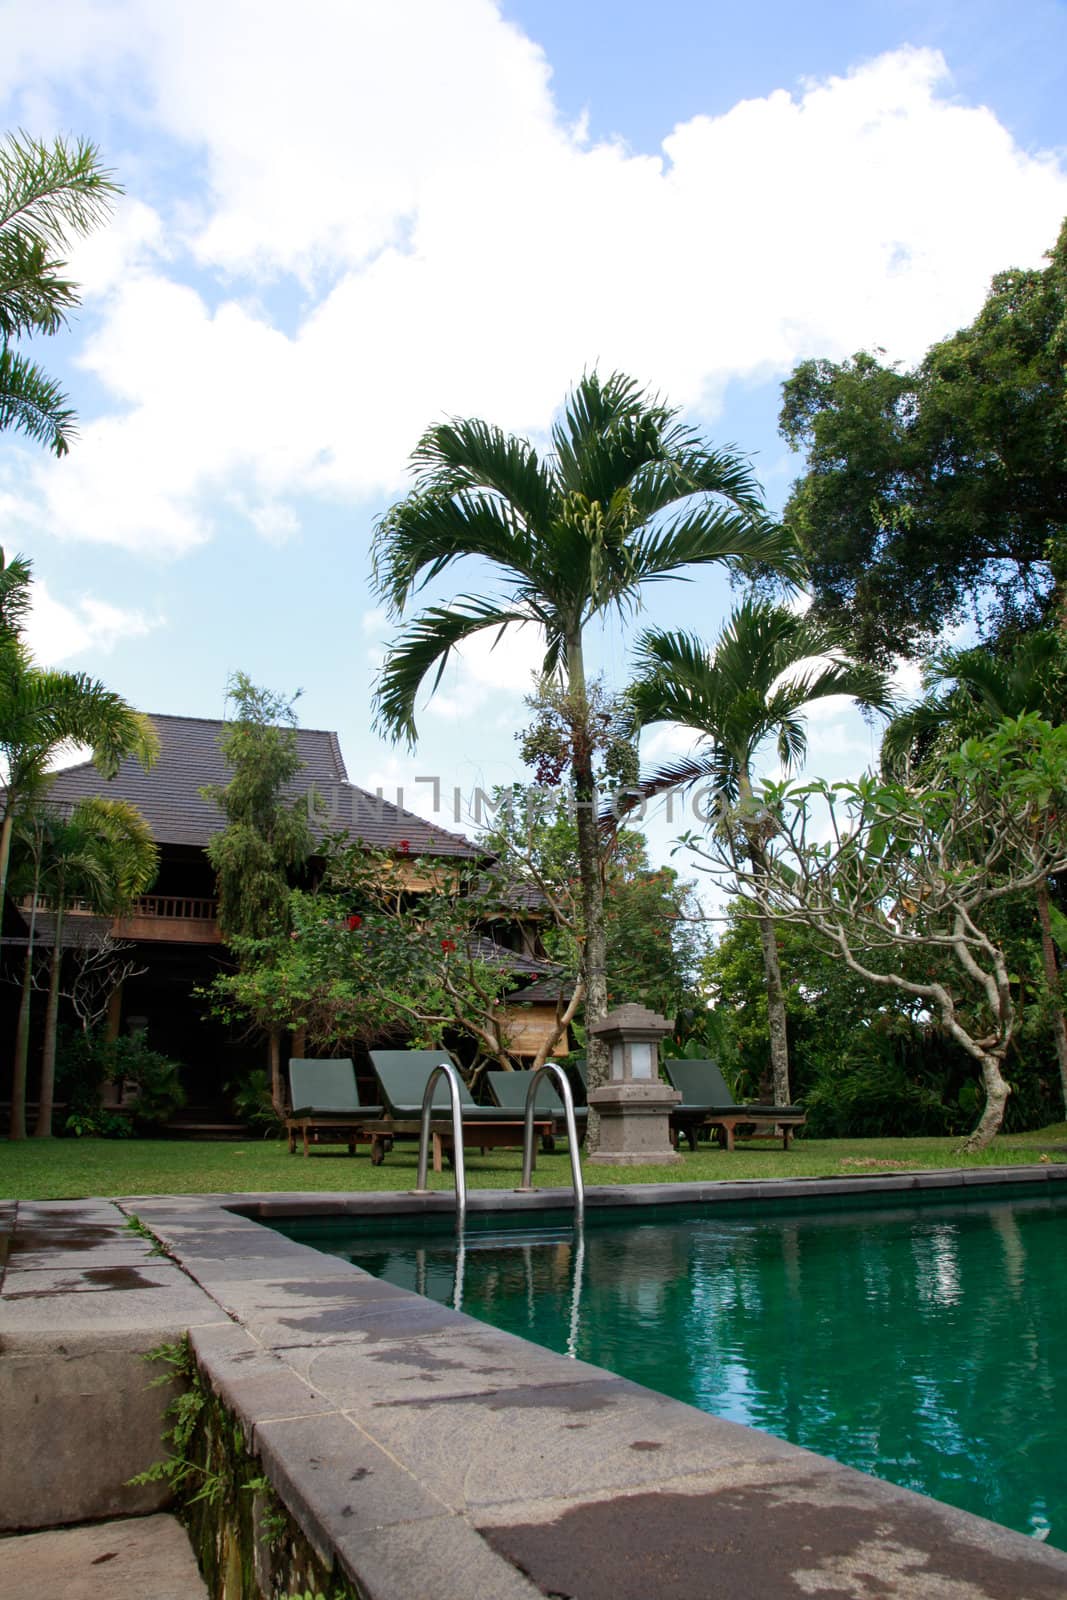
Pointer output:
345, 221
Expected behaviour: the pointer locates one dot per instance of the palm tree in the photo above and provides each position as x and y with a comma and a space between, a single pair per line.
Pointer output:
49, 195
627, 495
968, 692
32, 831
41, 711
103, 854
767, 665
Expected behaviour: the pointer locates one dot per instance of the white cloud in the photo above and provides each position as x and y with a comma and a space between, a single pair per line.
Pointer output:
666, 742
131, 243
457, 249
56, 631
488, 665
907, 679
273, 520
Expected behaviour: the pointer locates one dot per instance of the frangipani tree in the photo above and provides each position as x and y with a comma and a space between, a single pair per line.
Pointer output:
970, 692
902, 880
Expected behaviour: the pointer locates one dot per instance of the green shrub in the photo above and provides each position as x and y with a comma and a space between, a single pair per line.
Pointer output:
148, 1079
251, 1100
891, 1080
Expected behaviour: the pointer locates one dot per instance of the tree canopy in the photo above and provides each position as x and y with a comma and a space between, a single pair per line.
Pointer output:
939, 494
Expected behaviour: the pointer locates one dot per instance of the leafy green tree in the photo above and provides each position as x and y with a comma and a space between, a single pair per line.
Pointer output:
50, 194
939, 494
767, 666
969, 692
267, 837
103, 854
361, 957
654, 929
627, 495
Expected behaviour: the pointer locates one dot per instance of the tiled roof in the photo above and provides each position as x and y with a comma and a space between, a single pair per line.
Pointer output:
79, 932
169, 797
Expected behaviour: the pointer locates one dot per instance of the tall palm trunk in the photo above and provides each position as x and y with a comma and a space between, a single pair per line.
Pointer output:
772, 968
1052, 978
46, 1094
595, 948
19, 1073
5, 850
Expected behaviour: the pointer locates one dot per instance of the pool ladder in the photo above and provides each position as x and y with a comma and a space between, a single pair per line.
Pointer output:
549, 1070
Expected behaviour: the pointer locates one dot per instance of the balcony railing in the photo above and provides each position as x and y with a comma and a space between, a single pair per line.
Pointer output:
178, 908
178, 918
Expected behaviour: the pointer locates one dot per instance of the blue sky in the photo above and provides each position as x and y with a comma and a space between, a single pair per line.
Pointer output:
335, 233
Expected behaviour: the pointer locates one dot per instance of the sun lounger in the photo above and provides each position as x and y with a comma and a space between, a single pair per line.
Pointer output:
510, 1089
325, 1102
707, 1102
403, 1076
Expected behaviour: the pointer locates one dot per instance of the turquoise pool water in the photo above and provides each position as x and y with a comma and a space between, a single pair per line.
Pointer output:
926, 1343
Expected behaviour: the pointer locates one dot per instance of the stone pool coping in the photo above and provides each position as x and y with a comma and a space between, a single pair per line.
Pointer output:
431, 1455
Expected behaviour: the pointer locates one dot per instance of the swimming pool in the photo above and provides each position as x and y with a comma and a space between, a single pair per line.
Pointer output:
924, 1343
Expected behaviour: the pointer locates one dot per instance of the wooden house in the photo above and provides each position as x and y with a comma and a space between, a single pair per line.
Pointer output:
172, 935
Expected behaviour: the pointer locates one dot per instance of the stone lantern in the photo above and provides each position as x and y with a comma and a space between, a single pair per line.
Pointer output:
635, 1104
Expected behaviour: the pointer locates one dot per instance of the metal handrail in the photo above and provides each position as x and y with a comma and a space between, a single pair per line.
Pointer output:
551, 1070
457, 1137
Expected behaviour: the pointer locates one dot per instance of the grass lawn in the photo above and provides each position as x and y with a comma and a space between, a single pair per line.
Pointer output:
67, 1169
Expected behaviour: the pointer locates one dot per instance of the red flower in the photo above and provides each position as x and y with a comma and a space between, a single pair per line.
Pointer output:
448, 945
353, 922
404, 846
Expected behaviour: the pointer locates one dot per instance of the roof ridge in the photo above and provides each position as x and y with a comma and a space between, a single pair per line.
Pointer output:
335, 746
220, 722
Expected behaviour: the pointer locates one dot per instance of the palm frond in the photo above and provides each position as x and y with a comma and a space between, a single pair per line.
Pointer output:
428, 642
681, 774
418, 538
710, 534
53, 192
469, 454
33, 404
43, 709
911, 731
741, 691
15, 597
33, 297
697, 470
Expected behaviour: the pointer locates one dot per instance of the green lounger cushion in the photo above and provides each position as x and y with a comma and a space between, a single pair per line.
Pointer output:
403, 1076
326, 1088
701, 1083
511, 1089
